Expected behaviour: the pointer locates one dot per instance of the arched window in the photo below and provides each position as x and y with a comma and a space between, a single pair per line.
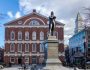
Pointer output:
26, 47
19, 35
26, 35
19, 47
34, 47
34, 23
12, 35
34, 35
41, 47
12, 47
41, 35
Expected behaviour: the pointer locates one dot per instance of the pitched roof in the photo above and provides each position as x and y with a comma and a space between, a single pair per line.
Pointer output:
34, 12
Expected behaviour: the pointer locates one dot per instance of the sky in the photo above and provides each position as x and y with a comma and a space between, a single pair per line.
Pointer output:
64, 10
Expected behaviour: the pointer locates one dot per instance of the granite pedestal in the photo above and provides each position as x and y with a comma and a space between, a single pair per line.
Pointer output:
53, 61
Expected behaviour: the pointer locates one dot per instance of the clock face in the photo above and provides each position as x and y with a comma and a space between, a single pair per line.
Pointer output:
34, 23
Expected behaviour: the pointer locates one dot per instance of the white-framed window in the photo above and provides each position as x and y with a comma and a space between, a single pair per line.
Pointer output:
19, 22
26, 47
12, 59
34, 35
12, 47
34, 23
19, 35
26, 59
12, 35
41, 47
19, 47
41, 35
26, 35
34, 47
41, 59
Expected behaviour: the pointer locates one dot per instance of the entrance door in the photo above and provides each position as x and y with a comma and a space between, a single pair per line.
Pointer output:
34, 60
19, 61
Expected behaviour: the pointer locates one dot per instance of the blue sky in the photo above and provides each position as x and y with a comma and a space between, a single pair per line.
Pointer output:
9, 5
5, 7
65, 11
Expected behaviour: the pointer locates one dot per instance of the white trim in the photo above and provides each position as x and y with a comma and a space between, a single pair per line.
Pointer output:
30, 41
41, 47
12, 32
41, 35
34, 45
61, 41
34, 18
23, 54
34, 37
20, 45
11, 61
37, 41
27, 26
12, 45
19, 34
27, 45
36, 14
61, 54
27, 58
26, 35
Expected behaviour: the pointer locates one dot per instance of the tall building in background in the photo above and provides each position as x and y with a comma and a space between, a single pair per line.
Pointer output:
24, 39
79, 25
79, 44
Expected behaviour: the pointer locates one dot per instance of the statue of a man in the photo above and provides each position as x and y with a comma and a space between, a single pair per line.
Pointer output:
51, 23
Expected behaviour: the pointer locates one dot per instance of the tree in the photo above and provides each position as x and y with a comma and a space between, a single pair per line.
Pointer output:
87, 14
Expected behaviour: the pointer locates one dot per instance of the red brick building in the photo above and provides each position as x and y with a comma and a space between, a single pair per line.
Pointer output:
24, 39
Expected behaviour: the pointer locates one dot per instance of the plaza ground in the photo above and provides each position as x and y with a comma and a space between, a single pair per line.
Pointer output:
18, 68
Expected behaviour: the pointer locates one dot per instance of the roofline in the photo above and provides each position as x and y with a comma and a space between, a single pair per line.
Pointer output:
30, 14
77, 33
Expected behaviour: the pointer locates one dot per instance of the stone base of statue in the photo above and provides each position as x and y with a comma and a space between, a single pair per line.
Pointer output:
53, 62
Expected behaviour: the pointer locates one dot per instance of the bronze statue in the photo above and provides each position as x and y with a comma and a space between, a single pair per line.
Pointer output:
52, 23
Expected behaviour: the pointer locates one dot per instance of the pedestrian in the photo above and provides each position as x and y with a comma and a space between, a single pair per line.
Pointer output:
24, 67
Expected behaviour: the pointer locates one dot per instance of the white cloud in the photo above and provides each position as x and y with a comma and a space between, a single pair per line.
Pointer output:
65, 11
17, 15
68, 29
10, 14
62, 8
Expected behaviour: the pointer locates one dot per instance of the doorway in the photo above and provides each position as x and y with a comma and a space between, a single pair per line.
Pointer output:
19, 60
34, 59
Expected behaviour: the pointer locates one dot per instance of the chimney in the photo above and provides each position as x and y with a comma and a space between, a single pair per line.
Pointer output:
34, 10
